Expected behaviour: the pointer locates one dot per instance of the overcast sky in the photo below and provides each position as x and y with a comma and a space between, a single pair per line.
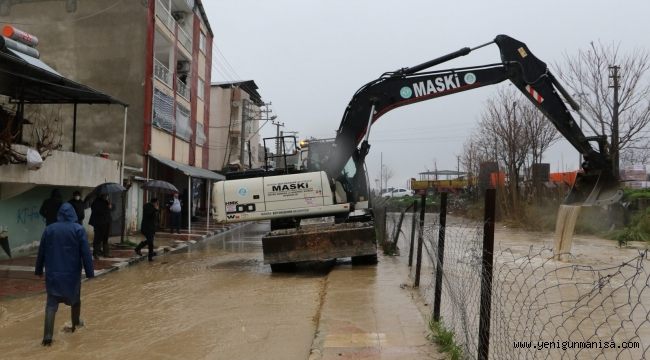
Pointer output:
309, 57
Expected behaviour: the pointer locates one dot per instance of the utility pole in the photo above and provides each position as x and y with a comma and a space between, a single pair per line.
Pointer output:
614, 76
242, 134
381, 172
277, 125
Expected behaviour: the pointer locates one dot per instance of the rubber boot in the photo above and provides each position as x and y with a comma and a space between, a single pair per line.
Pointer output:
75, 310
48, 332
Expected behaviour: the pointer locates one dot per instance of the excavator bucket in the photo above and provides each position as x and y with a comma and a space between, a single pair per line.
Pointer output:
320, 242
594, 189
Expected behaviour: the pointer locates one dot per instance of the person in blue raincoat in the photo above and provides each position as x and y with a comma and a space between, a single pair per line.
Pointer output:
63, 252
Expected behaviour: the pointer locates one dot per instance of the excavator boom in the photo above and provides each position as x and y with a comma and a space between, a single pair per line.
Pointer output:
597, 185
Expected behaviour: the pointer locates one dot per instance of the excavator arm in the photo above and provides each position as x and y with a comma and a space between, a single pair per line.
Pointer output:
597, 185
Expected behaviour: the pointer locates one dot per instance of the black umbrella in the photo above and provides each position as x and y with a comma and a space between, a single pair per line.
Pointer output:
159, 185
103, 189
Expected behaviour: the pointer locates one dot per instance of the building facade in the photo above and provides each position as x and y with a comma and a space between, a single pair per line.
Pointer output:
236, 116
154, 55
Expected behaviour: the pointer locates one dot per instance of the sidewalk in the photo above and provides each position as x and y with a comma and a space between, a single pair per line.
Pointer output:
372, 317
17, 275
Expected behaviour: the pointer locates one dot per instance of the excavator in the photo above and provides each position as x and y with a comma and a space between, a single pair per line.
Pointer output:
334, 184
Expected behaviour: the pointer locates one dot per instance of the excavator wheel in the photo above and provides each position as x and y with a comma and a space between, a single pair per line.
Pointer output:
283, 267
364, 260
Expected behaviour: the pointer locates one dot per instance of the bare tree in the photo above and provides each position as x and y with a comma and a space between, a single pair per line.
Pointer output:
386, 174
586, 74
539, 131
45, 136
473, 155
502, 123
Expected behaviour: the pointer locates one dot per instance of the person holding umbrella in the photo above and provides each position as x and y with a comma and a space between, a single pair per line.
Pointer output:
100, 216
150, 218
100, 219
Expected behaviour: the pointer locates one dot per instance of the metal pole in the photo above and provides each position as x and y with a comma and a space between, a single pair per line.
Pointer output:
209, 200
242, 136
418, 264
413, 219
126, 111
441, 255
189, 204
486, 275
74, 128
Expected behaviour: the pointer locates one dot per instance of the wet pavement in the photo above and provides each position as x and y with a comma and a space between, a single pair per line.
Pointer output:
217, 300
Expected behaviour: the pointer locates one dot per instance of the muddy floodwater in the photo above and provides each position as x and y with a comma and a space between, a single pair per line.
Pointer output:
217, 303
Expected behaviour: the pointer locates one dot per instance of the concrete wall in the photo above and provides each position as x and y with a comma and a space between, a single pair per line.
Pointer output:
219, 117
105, 52
21, 222
61, 169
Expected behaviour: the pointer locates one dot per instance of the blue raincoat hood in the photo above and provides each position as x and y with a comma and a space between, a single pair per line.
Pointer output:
66, 213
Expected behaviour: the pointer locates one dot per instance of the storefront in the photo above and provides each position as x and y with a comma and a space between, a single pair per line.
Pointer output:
194, 185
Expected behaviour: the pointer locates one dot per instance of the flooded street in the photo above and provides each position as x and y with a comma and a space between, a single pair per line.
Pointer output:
220, 302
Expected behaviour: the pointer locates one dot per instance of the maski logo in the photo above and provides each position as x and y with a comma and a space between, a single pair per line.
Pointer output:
439, 84
290, 187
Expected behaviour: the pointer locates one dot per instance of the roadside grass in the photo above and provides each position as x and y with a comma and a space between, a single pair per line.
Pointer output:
445, 339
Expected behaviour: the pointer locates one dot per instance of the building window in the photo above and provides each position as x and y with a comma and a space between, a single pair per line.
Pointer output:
163, 111
183, 129
200, 134
202, 42
200, 91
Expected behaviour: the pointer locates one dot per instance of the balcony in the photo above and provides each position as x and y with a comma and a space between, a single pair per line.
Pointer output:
162, 73
165, 16
183, 89
185, 39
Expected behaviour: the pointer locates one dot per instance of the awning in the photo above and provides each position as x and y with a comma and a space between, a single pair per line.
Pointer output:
189, 170
28, 79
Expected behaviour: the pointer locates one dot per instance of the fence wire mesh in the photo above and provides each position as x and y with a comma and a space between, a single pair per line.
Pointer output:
541, 308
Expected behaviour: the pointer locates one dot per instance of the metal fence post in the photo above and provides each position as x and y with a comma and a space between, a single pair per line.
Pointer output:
418, 264
486, 275
441, 254
415, 211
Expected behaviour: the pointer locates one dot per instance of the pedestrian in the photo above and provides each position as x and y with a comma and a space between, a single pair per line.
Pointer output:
50, 207
150, 218
78, 206
175, 214
100, 219
62, 252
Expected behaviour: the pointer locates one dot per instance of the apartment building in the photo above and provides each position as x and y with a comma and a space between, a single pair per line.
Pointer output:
236, 116
154, 55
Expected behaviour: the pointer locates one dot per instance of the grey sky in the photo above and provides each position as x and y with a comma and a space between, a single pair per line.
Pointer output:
309, 57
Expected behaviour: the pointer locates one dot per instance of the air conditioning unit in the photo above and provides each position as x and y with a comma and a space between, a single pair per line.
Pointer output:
183, 67
236, 103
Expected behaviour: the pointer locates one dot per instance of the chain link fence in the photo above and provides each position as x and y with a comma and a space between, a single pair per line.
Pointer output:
541, 308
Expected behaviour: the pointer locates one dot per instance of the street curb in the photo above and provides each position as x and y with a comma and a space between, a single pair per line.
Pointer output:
184, 246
